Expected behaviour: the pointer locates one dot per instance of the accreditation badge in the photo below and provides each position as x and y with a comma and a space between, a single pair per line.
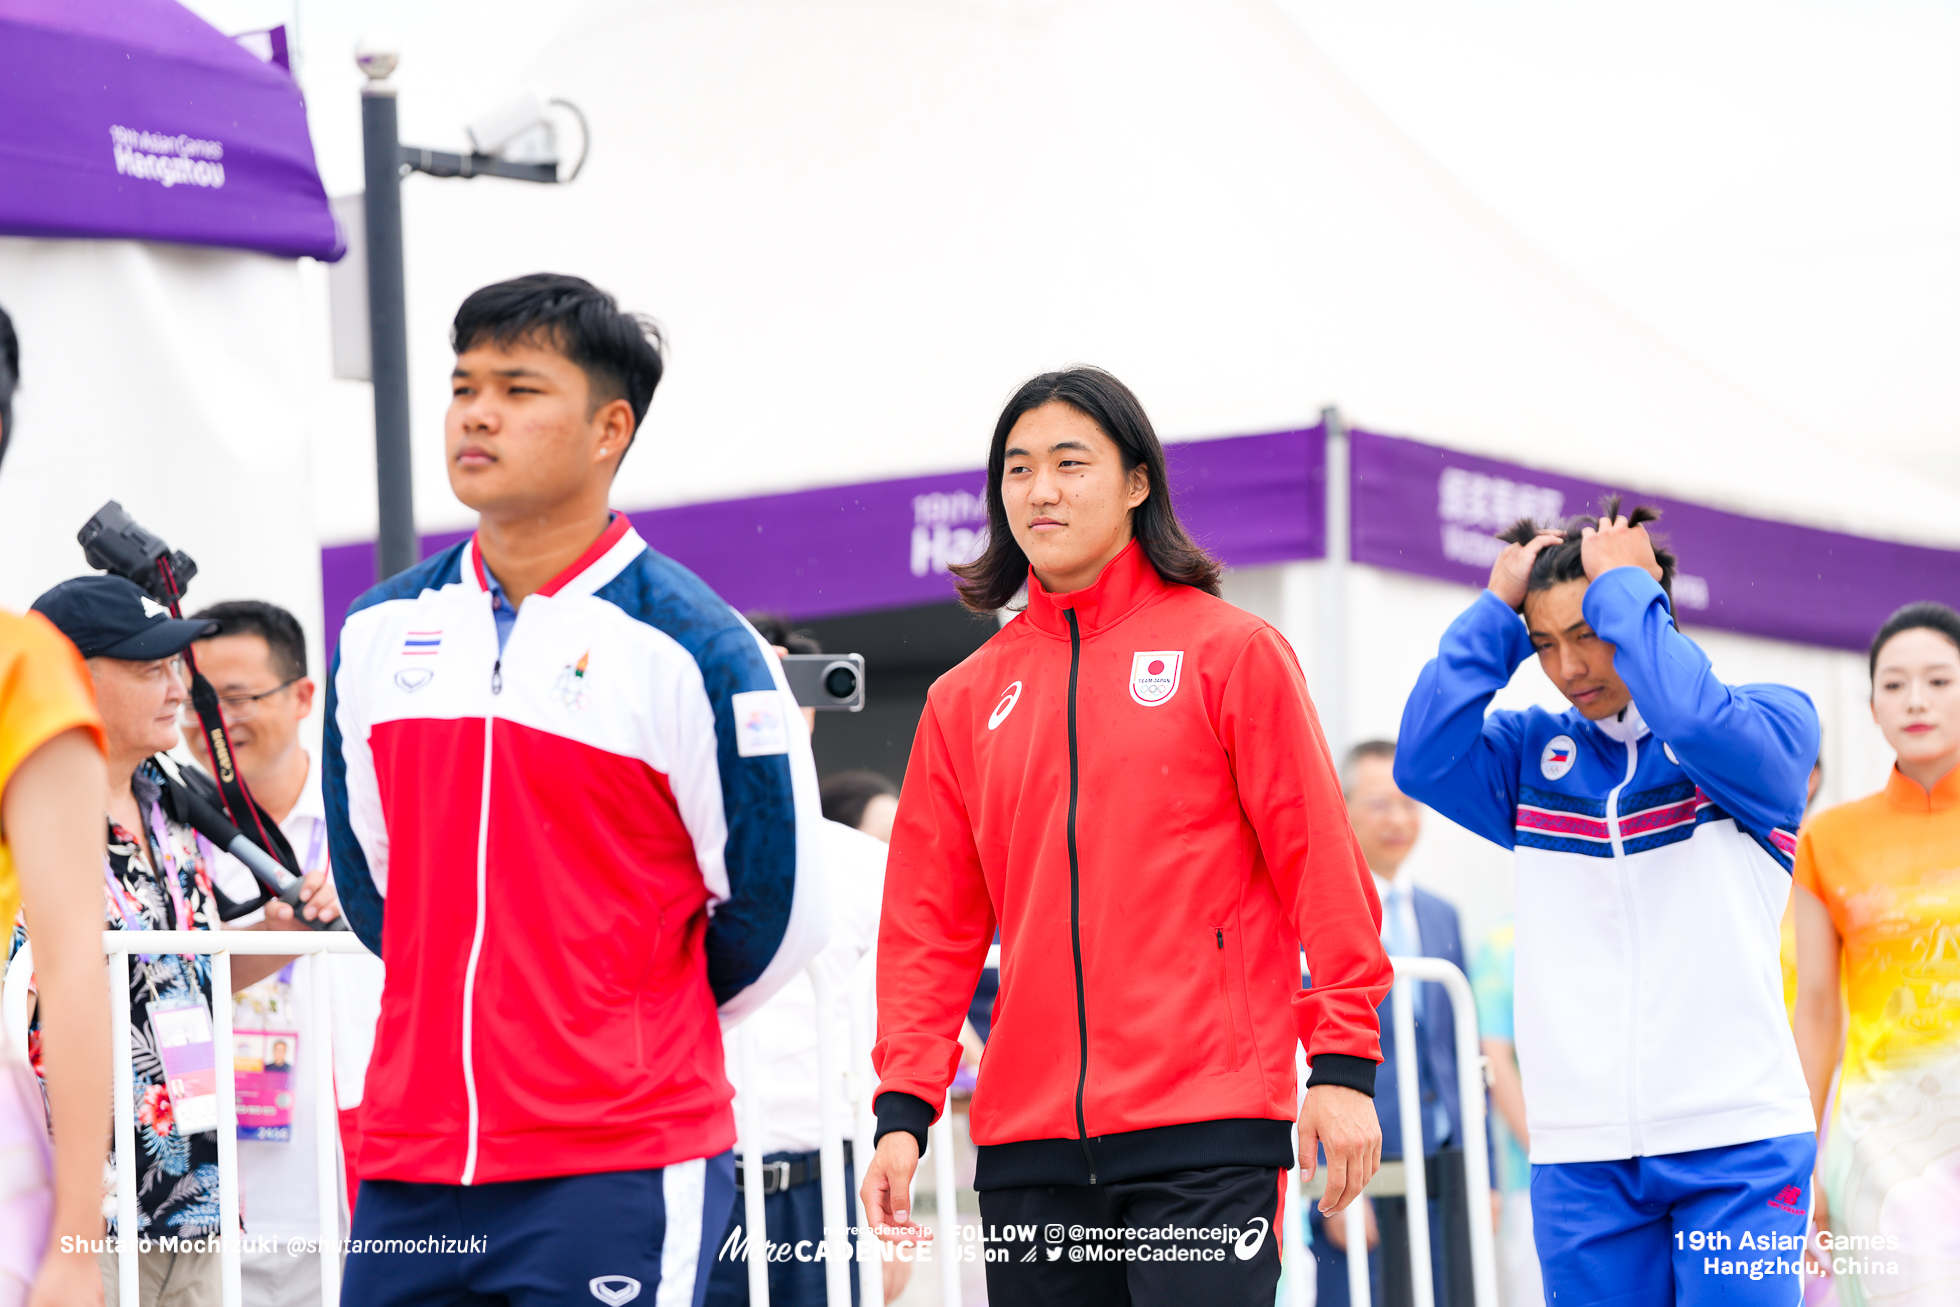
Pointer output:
265, 1050
182, 1027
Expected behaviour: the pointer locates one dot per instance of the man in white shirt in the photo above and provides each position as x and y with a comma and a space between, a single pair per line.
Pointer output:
785, 1071
257, 663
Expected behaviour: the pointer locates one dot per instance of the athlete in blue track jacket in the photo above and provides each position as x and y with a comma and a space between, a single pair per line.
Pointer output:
1653, 823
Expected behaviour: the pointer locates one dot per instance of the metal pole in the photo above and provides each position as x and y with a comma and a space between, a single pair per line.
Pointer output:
326, 1135
128, 1286
836, 1244
231, 1288
396, 548
1331, 672
1356, 1231
946, 1207
870, 1248
1476, 1162
749, 1129
1409, 1093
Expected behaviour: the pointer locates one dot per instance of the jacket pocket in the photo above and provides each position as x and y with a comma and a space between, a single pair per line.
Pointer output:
643, 991
1224, 966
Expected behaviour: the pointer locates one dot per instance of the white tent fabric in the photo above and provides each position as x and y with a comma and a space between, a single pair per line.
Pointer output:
864, 221
171, 379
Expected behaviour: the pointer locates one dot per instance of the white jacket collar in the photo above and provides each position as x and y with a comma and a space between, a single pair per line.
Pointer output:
1624, 726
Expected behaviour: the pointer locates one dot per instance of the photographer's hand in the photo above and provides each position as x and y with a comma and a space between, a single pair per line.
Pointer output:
316, 892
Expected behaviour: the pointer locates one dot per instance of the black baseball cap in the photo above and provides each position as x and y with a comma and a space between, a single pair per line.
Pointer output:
109, 617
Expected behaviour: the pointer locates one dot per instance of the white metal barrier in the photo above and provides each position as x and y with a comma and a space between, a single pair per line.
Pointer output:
1410, 1182
868, 1254
119, 944
836, 1052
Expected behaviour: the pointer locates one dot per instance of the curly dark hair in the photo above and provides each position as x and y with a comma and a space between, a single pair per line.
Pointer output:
1559, 563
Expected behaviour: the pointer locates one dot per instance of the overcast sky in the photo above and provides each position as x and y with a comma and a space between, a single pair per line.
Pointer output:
1774, 186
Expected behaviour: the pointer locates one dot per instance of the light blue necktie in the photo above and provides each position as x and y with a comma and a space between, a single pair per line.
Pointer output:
1402, 943
1401, 937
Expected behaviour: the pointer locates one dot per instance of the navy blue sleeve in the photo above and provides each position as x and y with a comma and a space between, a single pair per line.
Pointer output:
351, 878
1749, 747
1450, 754
759, 804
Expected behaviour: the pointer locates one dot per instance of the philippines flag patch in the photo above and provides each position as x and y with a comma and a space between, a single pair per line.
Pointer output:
422, 642
1558, 757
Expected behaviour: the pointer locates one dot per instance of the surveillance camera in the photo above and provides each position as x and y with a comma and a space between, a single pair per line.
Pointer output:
377, 56
496, 131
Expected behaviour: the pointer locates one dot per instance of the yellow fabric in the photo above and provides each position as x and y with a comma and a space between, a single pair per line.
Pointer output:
1887, 868
44, 690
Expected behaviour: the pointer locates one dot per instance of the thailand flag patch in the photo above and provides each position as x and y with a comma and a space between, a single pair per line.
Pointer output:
422, 643
1153, 676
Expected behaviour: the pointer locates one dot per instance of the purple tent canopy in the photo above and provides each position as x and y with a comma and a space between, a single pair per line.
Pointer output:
137, 119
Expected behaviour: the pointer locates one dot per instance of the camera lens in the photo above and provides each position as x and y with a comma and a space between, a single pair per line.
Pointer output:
841, 682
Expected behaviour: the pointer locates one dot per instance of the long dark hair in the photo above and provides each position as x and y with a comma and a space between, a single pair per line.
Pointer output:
991, 580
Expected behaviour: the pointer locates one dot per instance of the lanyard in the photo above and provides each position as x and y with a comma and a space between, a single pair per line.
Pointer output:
316, 847
168, 871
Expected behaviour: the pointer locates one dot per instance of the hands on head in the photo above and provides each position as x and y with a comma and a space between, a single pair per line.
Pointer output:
1614, 542
1617, 543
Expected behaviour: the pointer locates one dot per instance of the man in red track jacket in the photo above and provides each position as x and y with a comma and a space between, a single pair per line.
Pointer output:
1130, 783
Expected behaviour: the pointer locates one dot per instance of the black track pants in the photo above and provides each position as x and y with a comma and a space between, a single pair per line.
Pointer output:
1180, 1239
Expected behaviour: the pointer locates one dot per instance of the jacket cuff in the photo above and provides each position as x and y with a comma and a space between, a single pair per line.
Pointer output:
1344, 1069
1618, 598
913, 1115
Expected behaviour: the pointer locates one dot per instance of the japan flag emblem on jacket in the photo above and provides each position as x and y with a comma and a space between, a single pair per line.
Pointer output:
1153, 676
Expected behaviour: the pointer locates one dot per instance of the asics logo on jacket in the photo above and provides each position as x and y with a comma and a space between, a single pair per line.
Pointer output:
1653, 865
592, 846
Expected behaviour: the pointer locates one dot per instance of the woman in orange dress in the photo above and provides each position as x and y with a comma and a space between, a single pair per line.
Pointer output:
1878, 942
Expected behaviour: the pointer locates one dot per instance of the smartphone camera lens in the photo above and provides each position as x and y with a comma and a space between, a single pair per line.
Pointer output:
841, 682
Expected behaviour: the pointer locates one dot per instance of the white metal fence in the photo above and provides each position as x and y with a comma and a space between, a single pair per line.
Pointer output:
833, 1049
1407, 1181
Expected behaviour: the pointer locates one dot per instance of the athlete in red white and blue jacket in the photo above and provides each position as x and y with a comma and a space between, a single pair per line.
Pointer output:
575, 788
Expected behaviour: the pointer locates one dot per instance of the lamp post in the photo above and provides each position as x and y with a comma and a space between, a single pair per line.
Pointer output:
396, 548
387, 161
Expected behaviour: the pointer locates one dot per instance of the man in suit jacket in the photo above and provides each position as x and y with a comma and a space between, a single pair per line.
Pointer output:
1414, 923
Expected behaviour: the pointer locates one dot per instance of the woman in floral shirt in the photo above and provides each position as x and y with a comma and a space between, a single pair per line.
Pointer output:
156, 876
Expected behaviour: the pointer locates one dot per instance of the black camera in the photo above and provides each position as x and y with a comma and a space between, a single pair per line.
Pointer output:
112, 542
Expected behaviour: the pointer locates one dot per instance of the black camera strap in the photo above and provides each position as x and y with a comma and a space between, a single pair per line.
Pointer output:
240, 806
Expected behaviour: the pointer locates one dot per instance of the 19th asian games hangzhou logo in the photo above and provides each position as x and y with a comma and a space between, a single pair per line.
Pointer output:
570, 686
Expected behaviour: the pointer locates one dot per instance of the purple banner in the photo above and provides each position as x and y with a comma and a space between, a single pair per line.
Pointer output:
1433, 511
886, 544
137, 119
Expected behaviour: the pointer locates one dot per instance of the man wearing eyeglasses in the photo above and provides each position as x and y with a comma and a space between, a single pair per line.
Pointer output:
255, 659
